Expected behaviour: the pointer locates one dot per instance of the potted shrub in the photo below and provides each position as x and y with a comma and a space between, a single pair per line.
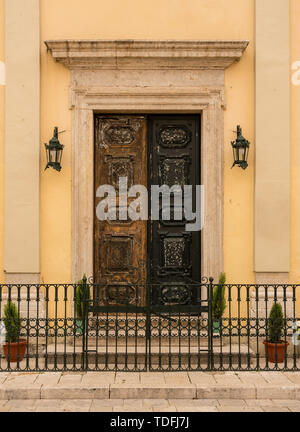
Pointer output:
275, 346
82, 296
218, 303
14, 348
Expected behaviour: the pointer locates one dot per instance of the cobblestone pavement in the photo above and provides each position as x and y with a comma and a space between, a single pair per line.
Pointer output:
149, 391
149, 405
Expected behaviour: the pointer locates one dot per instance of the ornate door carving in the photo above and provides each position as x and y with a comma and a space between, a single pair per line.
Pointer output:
174, 254
120, 245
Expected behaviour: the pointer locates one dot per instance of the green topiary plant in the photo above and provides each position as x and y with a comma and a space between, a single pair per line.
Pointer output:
12, 322
218, 300
275, 323
82, 295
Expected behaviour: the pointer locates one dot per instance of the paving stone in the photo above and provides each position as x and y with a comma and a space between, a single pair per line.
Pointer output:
252, 378
275, 409
70, 380
171, 408
275, 392
152, 379
73, 392
2, 392
106, 405
127, 378
294, 377
226, 392
156, 402
21, 409
142, 392
228, 378
22, 392
194, 402
205, 378
122, 409
63, 405
44, 405
259, 402
110, 402
294, 409
196, 409
239, 409
172, 378
100, 409
232, 402
48, 403
275, 378
21, 386
17, 380
76, 405
5, 409
47, 409
96, 378
21, 403
3, 377
297, 391
286, 403
48, 378
133, 403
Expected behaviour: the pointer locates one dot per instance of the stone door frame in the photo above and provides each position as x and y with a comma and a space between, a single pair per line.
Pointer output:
161, 77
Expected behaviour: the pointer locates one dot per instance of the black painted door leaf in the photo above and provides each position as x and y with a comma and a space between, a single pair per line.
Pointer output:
173, 253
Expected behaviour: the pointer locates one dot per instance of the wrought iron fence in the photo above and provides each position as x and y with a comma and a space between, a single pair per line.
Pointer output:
122, 327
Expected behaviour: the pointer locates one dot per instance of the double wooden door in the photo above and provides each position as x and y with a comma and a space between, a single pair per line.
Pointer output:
129, 254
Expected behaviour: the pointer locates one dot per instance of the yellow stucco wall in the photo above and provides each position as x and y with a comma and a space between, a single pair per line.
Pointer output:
167, 19
2, 132
295, 148
158, 19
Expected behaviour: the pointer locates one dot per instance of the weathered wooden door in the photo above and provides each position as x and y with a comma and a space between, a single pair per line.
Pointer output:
174, 253
120, 245
123, 248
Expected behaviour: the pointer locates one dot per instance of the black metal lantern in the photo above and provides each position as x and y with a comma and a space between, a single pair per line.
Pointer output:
240, 149
54, 152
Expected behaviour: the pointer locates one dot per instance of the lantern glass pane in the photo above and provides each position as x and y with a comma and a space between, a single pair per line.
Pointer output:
242, 153
236, 150
59, 155
52, 155
246, 155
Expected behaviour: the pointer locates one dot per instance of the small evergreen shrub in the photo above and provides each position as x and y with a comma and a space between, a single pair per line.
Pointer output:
218, 300
12, 322
275, 323
82, 295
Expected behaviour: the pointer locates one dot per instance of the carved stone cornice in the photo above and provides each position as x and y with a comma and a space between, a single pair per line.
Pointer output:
147, 54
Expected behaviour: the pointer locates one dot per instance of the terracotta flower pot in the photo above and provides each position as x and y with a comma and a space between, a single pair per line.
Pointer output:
276, 351
15, 348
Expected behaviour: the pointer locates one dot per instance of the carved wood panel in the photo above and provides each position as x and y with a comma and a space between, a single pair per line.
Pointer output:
174, 159
120, 245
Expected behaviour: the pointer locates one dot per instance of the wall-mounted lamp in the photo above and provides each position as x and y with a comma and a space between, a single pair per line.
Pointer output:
54, 152
240, 149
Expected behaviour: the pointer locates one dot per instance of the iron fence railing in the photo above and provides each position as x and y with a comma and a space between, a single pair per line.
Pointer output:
127, 327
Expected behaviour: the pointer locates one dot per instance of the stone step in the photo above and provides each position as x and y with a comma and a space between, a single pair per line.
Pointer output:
152, 385
133, 341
